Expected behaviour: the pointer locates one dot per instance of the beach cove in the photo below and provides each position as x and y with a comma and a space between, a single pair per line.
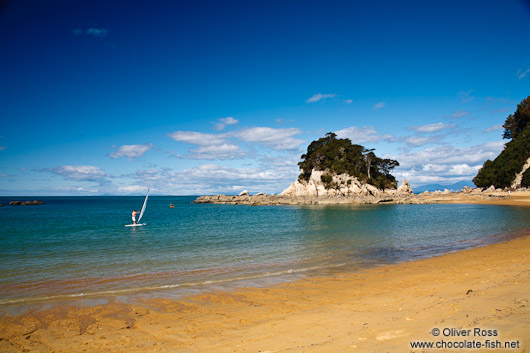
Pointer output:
384, 308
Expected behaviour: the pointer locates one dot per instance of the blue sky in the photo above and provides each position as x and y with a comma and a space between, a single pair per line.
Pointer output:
206, 97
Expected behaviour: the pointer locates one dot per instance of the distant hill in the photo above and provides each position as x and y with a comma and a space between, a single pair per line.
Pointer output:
452, 187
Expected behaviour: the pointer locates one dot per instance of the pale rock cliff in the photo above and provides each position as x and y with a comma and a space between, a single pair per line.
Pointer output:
404, 188
519, 176
339, 185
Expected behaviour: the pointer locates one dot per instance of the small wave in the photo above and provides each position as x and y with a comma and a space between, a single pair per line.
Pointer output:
125, 291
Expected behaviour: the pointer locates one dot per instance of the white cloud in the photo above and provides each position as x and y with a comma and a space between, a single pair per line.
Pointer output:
464, 170
217, 146
359, 135
431, 127
415, 141
132, 189
217, 179
229, 120
198, 138
223, 151
211, 146
77, 190
131, 151
348, 101
277, 139
452, 155
501, 110
494, 128
319, 96
379, 105
223, 122
465, 96
79, 173
3, 148
444, 164
522, 73
281, 121
460, 114
389, 138
97, 32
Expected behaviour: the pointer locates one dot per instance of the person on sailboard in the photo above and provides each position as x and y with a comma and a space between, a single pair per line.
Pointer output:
134, 216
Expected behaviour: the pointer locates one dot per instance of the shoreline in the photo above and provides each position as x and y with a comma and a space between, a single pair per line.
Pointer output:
515, 198
375, 309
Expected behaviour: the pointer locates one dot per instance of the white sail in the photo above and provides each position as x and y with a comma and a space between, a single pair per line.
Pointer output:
143, 207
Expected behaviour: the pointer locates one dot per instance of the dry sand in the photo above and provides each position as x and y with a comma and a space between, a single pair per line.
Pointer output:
378, 310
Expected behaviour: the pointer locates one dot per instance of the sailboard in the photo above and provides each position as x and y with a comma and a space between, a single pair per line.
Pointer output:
138, 224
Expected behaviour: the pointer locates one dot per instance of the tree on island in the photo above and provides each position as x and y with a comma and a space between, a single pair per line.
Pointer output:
502, 171
515, 123
340, 156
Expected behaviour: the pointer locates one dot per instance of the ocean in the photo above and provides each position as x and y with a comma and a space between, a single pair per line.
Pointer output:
78, 247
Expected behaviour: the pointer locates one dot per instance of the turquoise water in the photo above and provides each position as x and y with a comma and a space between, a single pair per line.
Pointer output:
76, 247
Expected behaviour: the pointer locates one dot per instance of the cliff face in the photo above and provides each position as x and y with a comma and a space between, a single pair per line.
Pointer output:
517, 181
322, 183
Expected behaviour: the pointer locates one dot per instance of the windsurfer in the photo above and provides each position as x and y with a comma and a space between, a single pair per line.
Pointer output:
134, 216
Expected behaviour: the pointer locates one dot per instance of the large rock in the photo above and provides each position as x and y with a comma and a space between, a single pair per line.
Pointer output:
490, 189
26, 203
321, 183
405, 187
243, 193
466, 190
519, 176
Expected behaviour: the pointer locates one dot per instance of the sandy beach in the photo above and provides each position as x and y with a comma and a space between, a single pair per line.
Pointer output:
477, 299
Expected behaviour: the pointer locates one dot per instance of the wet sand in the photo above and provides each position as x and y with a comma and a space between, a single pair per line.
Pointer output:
382, 309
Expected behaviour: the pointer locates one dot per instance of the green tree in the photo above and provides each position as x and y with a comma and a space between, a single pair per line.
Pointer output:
518, 121
501, 171
340, 156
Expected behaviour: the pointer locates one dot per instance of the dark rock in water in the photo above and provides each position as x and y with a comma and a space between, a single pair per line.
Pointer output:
26, 203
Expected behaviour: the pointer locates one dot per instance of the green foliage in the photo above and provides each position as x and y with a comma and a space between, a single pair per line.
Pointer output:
501, 172
518, 121
340, 156
326, 178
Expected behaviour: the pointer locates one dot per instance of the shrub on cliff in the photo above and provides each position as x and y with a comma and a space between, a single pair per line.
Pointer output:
340, 156
501, 171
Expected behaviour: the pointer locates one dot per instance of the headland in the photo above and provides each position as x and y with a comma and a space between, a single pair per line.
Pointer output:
489, 196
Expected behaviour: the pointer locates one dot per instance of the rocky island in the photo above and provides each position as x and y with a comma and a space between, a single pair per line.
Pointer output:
335, 171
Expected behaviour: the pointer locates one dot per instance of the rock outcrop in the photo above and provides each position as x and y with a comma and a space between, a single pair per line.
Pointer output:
404, 188
243, 193
323, 184
519, 176
321, 188
26, 203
